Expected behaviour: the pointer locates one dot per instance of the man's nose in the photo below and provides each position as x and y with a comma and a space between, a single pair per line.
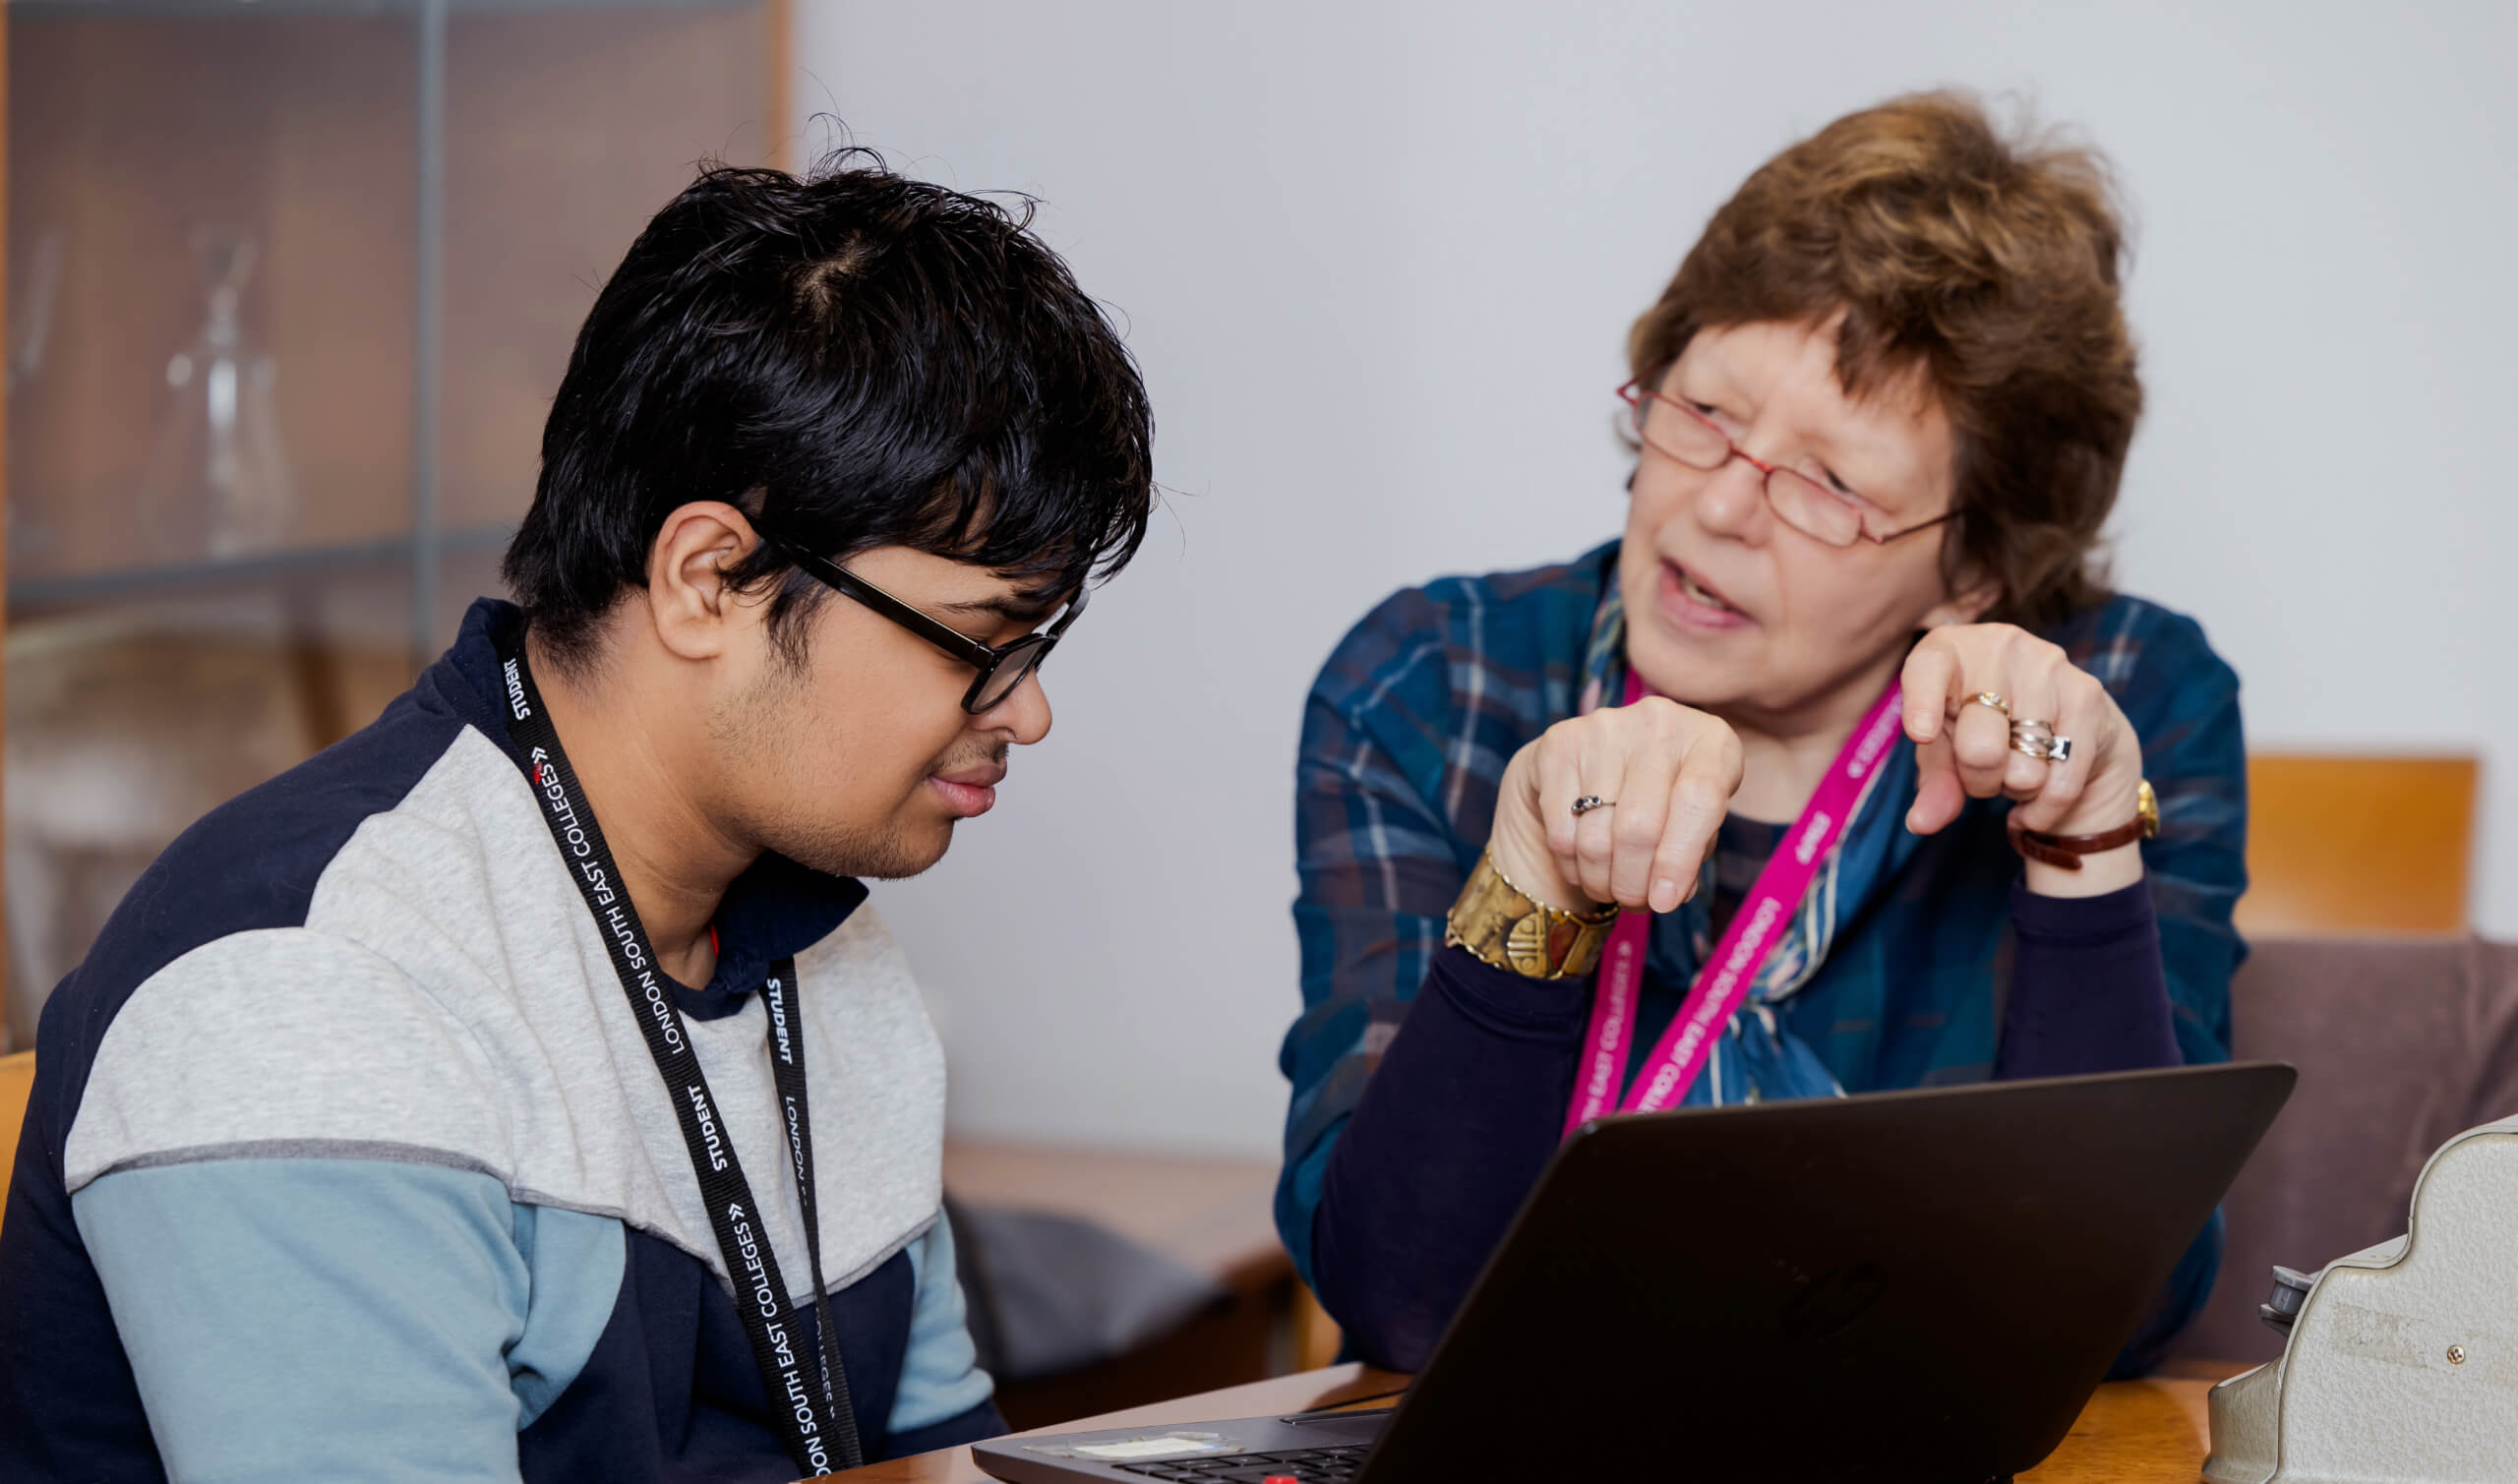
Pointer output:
1023, 716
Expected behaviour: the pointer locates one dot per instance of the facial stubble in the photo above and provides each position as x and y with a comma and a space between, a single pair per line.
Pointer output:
766, 733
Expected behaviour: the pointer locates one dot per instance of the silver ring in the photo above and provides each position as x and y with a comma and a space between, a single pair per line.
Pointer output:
1589, 801
2039, 740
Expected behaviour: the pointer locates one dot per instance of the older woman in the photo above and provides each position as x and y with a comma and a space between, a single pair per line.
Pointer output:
1893, 790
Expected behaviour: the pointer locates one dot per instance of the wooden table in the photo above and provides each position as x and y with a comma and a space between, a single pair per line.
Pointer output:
2133, 1432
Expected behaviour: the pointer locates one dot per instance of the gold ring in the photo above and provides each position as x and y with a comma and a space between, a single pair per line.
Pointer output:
1990, 698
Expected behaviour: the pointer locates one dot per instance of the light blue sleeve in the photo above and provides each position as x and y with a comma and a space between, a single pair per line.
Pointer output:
335, 1319
941, 1376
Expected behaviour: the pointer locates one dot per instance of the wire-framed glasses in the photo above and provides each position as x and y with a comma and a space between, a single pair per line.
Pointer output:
1674, 430
1002, 666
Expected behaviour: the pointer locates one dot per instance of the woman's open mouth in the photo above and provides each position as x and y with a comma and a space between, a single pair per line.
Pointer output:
1691, 603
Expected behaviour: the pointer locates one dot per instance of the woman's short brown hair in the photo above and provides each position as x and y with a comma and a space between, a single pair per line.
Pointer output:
1989, 266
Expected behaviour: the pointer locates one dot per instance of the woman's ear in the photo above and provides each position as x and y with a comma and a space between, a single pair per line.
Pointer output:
1970, 596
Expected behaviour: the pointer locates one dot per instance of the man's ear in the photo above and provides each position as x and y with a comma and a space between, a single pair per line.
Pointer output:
693, 610
1969, 596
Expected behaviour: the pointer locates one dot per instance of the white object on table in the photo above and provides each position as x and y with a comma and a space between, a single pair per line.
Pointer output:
2403, 1359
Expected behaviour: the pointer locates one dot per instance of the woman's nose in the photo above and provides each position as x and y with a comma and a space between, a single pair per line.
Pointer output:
1732, 502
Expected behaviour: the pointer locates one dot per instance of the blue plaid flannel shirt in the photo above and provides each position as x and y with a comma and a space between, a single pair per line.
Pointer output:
1404, 738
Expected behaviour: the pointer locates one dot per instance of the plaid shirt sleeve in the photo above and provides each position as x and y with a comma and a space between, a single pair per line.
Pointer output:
1404, 738
1378, 868
2183, 701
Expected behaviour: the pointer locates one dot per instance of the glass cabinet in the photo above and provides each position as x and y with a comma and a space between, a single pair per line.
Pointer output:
290, 287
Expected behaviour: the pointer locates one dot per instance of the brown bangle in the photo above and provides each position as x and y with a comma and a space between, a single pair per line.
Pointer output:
2065, 852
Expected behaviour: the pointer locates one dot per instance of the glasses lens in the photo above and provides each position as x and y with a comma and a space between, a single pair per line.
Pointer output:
1813, 510
1010, 669
1677, 431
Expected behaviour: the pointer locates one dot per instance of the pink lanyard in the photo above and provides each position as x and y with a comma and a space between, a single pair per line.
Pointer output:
1724, 984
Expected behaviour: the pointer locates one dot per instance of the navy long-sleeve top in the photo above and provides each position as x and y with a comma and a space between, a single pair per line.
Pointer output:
1465, 1109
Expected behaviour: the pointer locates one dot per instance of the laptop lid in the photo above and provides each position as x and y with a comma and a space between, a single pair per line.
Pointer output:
1916, 1285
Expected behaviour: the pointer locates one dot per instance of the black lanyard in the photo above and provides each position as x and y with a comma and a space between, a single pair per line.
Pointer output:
818, 1439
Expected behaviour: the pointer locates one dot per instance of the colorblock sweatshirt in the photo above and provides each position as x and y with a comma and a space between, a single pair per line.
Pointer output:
347, 1158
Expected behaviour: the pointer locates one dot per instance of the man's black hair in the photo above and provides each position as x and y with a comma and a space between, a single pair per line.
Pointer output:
857, 360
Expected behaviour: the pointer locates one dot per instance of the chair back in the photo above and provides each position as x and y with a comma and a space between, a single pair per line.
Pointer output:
2353, 846
17, 1085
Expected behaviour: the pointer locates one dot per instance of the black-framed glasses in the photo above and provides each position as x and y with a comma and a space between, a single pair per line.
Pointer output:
1002, 666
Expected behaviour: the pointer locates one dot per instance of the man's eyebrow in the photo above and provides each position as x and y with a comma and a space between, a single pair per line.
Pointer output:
1011, 610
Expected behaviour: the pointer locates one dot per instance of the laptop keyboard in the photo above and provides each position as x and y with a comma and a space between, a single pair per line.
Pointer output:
1310, 1466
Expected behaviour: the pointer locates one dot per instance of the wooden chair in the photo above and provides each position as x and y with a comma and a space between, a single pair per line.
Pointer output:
17, 1083
2346, 847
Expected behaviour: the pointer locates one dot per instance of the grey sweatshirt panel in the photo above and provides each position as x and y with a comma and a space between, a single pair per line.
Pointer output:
451, 996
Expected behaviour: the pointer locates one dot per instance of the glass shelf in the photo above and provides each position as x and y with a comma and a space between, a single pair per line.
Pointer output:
78, 589
246, 10
434, 190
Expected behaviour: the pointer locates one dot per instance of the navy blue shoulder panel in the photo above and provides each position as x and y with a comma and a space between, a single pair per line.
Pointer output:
669, 1393
253, 862
69, 1407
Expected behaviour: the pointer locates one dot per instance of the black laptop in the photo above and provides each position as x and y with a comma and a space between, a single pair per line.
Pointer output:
1920, 1287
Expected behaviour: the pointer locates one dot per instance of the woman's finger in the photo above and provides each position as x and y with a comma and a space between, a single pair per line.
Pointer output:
1700, 794
2086, 714
1652, 744
1929, 687
1557, 769
1600, 774
2032, 679
1938, 796
1980, 743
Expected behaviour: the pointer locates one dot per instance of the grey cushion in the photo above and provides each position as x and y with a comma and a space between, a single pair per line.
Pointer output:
2400, 1043
1050, 1293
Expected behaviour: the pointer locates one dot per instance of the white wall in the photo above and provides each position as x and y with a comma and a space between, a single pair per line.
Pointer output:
1378, 262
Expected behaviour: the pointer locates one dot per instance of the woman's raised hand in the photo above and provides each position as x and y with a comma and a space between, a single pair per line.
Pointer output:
1963, 745
1668, 773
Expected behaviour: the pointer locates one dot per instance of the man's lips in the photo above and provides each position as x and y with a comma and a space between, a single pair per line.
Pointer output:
969, 792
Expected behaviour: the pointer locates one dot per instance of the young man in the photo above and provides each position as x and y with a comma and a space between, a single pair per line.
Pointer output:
494, 1095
